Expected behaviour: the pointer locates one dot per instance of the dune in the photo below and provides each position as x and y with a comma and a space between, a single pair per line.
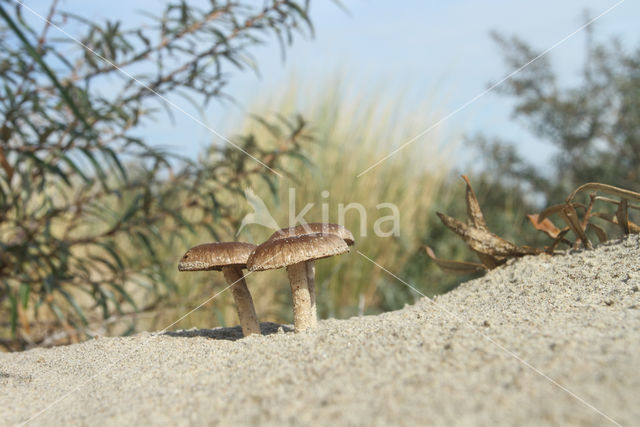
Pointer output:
541, 340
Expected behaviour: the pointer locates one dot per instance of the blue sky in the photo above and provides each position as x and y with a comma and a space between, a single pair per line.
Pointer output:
413, 47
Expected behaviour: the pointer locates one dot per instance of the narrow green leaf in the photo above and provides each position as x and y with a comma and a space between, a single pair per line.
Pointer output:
146, 243
13, 302
125, 295
71, 300
66, 159
116, 161
24, 291
114, 254
96, 166
48, 166
132, 209
40, 61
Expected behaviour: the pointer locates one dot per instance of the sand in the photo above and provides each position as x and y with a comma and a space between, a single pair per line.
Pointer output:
539, 341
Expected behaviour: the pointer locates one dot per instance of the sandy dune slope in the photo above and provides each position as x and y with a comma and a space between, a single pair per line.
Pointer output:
542, 340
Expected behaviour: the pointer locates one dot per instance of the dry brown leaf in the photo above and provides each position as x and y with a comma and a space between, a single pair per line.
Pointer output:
616, 202
602, 235
571, 217
474, 213
633, 227
557, 241
489, 261
555, 209
546, 226
587, 213
622, 215
455, 267
607, 199
610, 189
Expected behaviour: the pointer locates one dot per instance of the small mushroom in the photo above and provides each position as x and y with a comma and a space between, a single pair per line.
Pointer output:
294, 253
311, 228
231, 258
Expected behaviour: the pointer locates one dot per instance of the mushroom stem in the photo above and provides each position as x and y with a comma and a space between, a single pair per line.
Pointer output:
311, 284
244, 302
301, 297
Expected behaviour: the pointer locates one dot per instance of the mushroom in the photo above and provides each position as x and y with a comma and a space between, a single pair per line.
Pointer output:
311, 228
294, 253
231, 258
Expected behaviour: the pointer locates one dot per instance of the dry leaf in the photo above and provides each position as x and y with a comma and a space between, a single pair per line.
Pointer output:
489, 261
555, 209
602, 235
571, 217
622, 215
587, 213
546, 226
633, 227
557, 241
610, 189
616, 202
455, 267
474, 213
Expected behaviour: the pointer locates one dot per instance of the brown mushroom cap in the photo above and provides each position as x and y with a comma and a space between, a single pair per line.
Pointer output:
214, 256
287, 251
313, 228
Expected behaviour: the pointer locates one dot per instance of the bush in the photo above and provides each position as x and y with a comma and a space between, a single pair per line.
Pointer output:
593, 126
87, 208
